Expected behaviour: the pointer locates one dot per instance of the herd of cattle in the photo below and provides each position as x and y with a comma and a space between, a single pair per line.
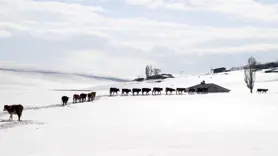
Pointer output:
83, 97
18, 108
158, 90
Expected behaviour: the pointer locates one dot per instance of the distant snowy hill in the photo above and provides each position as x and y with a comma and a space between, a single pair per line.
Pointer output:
51, 79
35, 87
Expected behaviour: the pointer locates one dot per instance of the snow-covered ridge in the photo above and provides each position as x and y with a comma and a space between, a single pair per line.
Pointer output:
35, 88
51, 79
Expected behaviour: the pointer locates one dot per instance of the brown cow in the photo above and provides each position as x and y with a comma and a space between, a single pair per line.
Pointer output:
83, 97
93, 95
90, 95
14, 109
75, 98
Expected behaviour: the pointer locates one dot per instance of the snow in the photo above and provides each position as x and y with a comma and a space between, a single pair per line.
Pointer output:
235, 123
37, 89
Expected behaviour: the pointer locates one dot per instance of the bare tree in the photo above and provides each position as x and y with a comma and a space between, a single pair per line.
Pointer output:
250, 73
151, 70
156, 71
148, 71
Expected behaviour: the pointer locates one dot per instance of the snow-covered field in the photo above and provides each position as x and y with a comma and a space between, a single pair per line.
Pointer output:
224, 124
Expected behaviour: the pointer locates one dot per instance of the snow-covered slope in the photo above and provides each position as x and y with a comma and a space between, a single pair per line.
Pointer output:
236, 123
38, 88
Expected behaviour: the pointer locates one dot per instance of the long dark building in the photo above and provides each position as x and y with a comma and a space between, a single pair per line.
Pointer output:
219, 70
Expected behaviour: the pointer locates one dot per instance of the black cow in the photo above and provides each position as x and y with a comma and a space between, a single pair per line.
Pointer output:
126, 91
83, 97
202, 90
205, 90
262, 90
65, 100
169, 90
14, 109
180, 90
147, 90
113, 90
157, 90
199, 90
136, 90
191, 90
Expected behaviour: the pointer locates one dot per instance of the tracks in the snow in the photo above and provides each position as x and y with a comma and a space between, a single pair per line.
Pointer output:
10, 124
52, 106
6, 124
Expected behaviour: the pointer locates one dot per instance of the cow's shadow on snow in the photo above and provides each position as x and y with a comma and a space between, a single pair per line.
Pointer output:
5, 120
11, 124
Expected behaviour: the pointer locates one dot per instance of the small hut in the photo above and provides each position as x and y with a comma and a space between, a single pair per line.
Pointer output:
219, 70
212, 88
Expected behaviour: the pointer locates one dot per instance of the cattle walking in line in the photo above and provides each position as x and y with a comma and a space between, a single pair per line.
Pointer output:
94, 94
14, 109
65, 100
147, 90
180, 90
89, 96
260, 90
191, 90
199, 90
83, 97
169, 90
136, 90
113, 90
76, 98
205, 90
157, 90
125, 91
202, 90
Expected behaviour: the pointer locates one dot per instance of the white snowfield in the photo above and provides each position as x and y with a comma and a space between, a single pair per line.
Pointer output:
223, 124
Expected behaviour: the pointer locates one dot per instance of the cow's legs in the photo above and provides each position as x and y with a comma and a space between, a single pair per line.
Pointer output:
19, 116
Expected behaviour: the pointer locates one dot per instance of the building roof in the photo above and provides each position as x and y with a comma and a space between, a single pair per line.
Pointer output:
213, 88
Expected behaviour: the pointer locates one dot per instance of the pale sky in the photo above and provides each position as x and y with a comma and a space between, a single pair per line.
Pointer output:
119, 37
